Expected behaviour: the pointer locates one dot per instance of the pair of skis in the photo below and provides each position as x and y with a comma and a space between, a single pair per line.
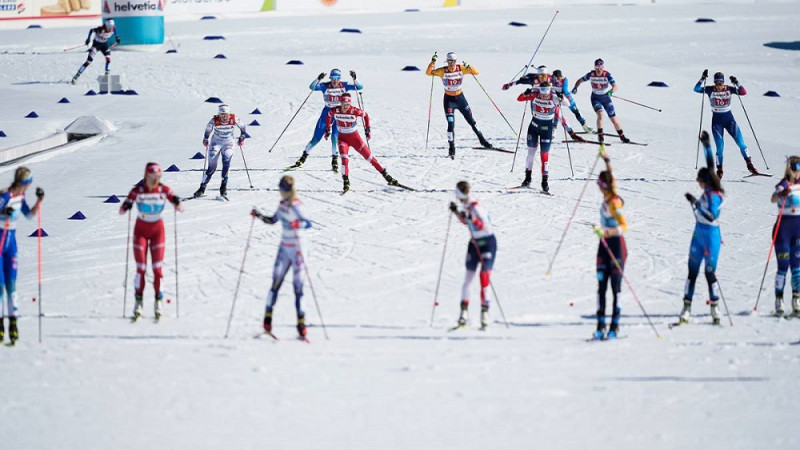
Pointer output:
277, 339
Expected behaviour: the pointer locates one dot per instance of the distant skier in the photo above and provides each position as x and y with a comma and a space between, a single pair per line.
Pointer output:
332, 92
150, 197
787, 241
222, 125
612, 226
545, 116
603, 87
102, 38
720, 95
452, 76
12, 204
481, 249
560, 86
706, 239
345, 117
291, 216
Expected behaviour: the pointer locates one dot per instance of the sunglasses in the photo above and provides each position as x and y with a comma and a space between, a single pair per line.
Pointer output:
27, 181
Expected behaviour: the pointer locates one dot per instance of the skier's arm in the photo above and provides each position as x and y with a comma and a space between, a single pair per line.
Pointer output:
242, 132
469, 70
782, 189
357, 86
699, 86
430, 71
89, 36
209, 130
302, 220
128, 203
365, 116
527, 95
316, 85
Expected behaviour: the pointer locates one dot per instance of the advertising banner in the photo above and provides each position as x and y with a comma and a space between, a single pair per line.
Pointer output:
48, 9
138, 22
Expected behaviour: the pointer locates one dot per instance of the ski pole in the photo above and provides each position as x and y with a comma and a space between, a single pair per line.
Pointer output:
493, 103
430, 105
2, 248
566, 141
127, 259
290, 121
441, 268
311, 285
769, 255
177, 296
246, 170
627, 282
519, 135
637, 103
574, 210
537, 47
751, 126
73, 48
239, 279
491, 285
702, 105
205, 165
360, 100
39, 264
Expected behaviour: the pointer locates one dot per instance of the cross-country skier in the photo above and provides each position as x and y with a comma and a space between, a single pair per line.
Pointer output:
222, 125
332, 92
291, 217
150, 197
12, 205
101, 43
787, 241
346, 119
452, 76
603, 87
482, 249
706, 239
720, 96
545, 116
561, 85
612, 226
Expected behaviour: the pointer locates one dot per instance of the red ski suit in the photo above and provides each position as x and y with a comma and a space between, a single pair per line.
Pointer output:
347, 122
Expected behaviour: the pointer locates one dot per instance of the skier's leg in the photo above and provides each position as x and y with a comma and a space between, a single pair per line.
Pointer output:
717, 128
297, 272
214, 151
361, 148
282, 265
157, 248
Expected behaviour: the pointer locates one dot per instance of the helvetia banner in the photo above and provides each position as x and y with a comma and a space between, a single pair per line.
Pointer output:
138, 22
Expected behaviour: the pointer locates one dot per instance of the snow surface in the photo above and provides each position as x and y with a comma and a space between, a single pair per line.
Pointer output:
386, 379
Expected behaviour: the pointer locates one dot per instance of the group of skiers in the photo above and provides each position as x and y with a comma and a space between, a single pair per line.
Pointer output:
338, 121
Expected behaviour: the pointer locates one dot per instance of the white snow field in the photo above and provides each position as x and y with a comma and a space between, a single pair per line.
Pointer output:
386, 379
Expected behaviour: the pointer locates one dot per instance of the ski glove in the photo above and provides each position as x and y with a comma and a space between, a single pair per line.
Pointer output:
598, 231
353, 74
266, 219
610, 93
117, 39
321, 76
296, 224
705, 74
453, 207
126, 206
575, 90
528, 91
507, 85
205, 142
176, 200
704, 139
691, 198
367, 133
734, 80
465, 64
87, 42
433, 58
241, 140
8, 211
327, 133
40, 193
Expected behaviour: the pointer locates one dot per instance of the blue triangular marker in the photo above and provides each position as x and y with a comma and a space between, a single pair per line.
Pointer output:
63, 100
172, 168
172, 50
410, 69
657, 84
2, 133
771, 94
77, 216
254, 124
213, 100
256, 111
350, 30
198, 155
90, 92
112, 199
220, 56
36, 233
32, 115
294, 62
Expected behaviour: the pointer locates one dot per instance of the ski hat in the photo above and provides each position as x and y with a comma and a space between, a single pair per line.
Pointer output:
152, 167
451, 56
599, 62
462, 190
346, 98
719, 77
541, 70
557, 74
109, 24
336, 74
224, 109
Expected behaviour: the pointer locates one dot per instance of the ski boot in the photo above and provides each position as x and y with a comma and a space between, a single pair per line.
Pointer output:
751, 167
75, 78
601, 137
719, 171
389, 179
451, 149
586, 128
622, 137
779, 305
12, 330
159, 302
223, 188
2, 329
575, 136
796, 305
108, 72
463, 316
686, 312
200, 191
301, 327
335, 164
613, 331
715, 312
600, 332
346, 185
527, 181
299, 162
545, 186
138, 307
484, 317
268, 322
483, 141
